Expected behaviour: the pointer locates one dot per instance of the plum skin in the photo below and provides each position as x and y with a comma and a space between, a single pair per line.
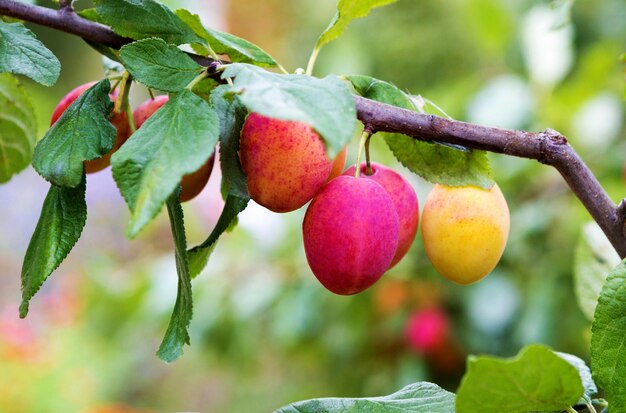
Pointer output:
465, 230
350, 234
404, 200
285, 162
119, 120
193, 183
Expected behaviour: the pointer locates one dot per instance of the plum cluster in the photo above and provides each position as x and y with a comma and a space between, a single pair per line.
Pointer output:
356, 228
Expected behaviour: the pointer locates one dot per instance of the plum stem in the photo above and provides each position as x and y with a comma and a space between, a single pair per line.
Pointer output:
368, 169
365, 136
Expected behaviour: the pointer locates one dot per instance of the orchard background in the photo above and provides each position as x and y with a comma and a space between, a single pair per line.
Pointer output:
265, 333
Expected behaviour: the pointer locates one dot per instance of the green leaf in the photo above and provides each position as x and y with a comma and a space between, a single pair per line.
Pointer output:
325, 104
434, 162
22, 53
585, 375
82, 133
348, 10
536, 380
159, 65
608, 339
141, 19
238, 49
177, 140
595, 258
199, 256
177, 334
60, 224
420, 397
232, 115
18, 128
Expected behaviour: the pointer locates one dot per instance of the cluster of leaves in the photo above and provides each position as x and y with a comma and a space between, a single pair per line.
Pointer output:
209, 105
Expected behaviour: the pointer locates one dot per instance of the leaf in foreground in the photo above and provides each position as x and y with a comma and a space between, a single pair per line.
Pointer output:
175, 141
237, 49
199, 256
60, 224
608, 341
141, 19
584, 372
434, 162
18, 128
595, 258
159, 65
22, 53
415, 398
82, 133
348, 10
536, 380
177, 334
324, 104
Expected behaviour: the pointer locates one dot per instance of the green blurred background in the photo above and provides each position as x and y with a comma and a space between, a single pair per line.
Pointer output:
265, 333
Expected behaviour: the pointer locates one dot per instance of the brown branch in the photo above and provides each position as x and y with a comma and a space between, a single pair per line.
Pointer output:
548, 147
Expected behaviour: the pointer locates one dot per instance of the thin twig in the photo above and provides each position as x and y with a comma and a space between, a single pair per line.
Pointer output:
548, 147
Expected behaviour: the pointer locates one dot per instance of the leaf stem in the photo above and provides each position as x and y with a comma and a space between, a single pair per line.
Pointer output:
312, 59
364, 139
571, 410
122, 97
203, 75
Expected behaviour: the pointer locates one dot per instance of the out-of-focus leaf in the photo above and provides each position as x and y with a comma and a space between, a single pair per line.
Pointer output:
237, 49
175, 141
325, 104
433, 162
82, 133
608, 341
348, 10
22, 53
420, 397
595, 258
177, 334
60, 224
159, 65
18, 128
499, 385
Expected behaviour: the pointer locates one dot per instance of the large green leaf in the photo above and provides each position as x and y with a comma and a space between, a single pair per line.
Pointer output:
177, 140
60, 224
348, 10
177, 334
585, 376
140, 19
232, 115
434, 162
608, 339
199, 256
159, 65
237, 49
18, 128
82, 133
537, 380
595, 258
415, 398
22, 53
325, 104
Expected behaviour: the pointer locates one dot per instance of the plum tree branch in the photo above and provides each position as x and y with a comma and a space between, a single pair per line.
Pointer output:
548, 147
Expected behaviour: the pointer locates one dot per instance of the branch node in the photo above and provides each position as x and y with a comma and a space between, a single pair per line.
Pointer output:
65, 6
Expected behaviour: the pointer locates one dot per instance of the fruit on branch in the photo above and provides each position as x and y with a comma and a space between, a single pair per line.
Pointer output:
350, 233
465, 230
404, 199
193, 183
119, 120
285, 162
427, 329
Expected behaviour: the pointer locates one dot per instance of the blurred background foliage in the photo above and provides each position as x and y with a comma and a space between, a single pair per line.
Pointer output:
265, 333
